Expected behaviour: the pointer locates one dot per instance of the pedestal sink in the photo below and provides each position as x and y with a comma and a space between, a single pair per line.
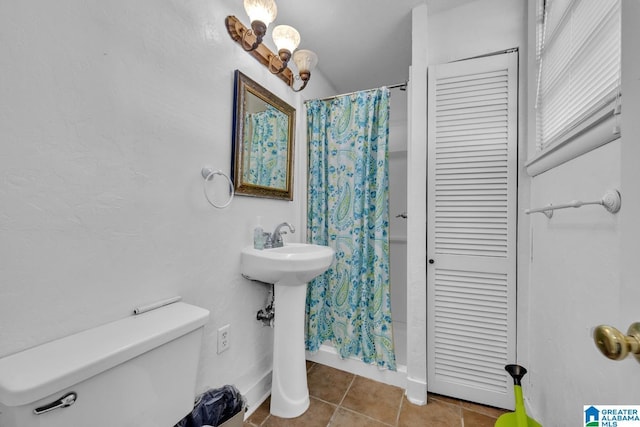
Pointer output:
289, 268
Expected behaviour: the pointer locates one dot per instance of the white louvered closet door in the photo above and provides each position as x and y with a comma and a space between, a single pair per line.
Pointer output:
471, 233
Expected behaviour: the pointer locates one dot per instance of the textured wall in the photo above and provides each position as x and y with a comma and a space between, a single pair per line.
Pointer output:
442, 37
584, 265
109, 110
575, 285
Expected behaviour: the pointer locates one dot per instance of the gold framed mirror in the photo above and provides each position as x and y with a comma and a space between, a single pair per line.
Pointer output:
263, 141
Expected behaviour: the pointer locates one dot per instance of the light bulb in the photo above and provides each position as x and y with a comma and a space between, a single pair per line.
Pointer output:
264, 11
286, 38
305, 60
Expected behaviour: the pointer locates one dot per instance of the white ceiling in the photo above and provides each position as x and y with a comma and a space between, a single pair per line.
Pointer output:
361, 44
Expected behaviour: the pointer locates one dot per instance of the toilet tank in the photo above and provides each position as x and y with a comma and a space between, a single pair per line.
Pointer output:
139, 371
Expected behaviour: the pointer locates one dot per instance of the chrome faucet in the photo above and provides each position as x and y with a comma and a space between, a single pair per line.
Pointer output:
275, 239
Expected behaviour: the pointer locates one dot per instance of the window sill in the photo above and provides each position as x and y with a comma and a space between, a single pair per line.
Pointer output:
596, 135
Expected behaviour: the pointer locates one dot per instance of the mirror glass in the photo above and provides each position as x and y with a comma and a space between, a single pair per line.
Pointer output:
263, 128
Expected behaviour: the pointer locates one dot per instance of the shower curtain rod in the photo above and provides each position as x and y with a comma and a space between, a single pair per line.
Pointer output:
393, 86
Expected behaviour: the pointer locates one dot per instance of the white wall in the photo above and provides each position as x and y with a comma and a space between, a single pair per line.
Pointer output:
109, 111
476, 28
473, 29
580, 268
584, 266
416, 389
398, 225
575, 281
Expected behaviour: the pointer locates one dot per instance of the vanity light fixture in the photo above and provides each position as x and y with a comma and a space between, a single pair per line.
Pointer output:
286, 38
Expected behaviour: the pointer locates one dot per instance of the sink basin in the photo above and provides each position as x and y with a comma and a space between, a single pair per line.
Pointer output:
292, 264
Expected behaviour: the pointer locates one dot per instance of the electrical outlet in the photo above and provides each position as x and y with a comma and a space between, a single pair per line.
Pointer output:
223, 338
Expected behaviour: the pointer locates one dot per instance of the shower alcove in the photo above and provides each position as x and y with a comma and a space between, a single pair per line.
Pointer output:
327, 355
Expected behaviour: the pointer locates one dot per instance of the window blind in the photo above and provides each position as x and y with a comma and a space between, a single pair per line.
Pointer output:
579, 45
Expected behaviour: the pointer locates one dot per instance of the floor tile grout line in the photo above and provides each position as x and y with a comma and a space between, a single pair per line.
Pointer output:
400, 409
366, 416
335, 411
344, 396
339, 404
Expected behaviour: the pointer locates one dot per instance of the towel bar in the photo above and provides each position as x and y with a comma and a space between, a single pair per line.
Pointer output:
611, 201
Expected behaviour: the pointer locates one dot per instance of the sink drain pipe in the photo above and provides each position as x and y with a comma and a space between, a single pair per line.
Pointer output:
267, 314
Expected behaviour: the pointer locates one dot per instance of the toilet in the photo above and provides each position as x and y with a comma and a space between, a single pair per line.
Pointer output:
139, 371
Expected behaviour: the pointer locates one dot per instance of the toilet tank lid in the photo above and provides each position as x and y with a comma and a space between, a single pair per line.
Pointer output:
32, 374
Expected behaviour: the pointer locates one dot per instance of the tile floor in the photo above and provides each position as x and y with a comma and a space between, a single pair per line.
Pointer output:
341, 399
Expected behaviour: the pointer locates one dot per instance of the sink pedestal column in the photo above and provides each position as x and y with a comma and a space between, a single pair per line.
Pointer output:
289, 268
289, 391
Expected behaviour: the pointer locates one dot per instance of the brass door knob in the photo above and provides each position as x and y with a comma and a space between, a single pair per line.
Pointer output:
614, 344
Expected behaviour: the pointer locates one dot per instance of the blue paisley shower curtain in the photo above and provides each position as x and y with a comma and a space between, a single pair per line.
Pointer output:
348, 210
265, 157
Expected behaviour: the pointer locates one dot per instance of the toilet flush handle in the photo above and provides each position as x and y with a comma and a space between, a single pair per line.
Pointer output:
65, 401
614, 344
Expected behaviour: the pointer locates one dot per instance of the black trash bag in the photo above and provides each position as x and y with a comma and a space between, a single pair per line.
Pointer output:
214, 407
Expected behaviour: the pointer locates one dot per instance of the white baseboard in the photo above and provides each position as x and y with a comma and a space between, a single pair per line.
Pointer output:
327, 355
257, 394
416, 391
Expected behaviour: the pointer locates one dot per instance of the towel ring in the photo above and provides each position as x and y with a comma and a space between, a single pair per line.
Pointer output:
209, 174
